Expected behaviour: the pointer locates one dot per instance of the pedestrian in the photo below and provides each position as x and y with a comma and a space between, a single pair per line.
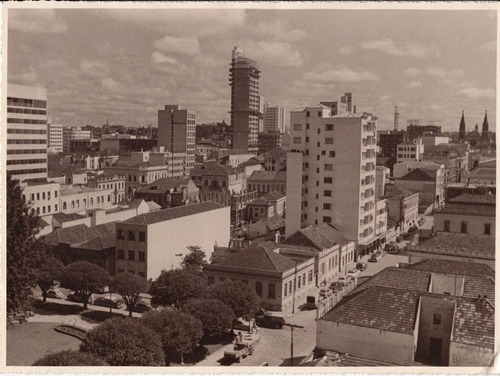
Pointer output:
239, 338
255, 328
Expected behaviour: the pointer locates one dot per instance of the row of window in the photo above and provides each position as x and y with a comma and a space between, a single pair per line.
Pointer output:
27, 151
298, 127
25, 121
26, 161
26, 131
298, 283
77, 203
44, 210
131, 255
267, 187
28, 171
26, 111
22, 102
407, 156
463, 227
40, 194
28, 141
120, 235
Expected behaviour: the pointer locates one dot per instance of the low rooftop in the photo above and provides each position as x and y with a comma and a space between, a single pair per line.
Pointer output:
275, 176
81, 234
164, 185
320, 237
451, 241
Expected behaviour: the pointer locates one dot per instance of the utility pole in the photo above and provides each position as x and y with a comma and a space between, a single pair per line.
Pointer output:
291, 339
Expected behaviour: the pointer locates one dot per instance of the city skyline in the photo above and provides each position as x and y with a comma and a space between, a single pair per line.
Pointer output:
95, 68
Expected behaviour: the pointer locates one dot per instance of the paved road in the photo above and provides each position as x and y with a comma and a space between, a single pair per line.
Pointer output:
386, 261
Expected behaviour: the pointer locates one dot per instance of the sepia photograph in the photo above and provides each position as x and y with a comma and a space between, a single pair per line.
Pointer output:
234, 186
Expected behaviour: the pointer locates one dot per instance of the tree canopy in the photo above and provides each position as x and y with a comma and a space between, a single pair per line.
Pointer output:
23, 251
179, 331
129, 286
239, 296
124, 342
215, 316
195, 259
176, 287
69, 358
84, 278
49, 270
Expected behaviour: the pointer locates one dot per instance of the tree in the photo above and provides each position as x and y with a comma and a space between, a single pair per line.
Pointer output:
215, 316
195, 259
23, 251
175, 287
69, 358
49, 270
84, 278
179, 331
129, 286
122, 342
242, 299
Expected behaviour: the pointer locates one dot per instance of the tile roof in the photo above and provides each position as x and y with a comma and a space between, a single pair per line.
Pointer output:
268, 176
337, 359
475, 199
164, 185
250, 162
418, 174
474, 323
484, 244
398, 192
378, 308
274, 223
483, 171
259, 258
63, 217
320, 237
153, 205
173, 213
81, 234
261, 201
393, 277
214, 168
453, 267
274, 196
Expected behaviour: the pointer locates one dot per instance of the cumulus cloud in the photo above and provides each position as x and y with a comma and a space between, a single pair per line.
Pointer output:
475, 93
94, 69
178, 45
414, 85
442, 73
411, 72
40, 21
275, 53
158, 58
346, 50
341, 74
389, 47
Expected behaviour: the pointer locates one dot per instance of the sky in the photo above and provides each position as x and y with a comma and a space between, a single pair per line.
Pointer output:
126, 64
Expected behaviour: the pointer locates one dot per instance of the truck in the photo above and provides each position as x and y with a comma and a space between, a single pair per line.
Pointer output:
240, 350
273, 320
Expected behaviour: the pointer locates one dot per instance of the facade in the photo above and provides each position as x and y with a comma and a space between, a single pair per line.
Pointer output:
170, 192
430, 141
429, 184
55, 137
264, 182
177, 132
79, 199
109, 180
269, 141
416, 130
334, 171
26, 132
427, 313
454, 157
274, 119
156, 241
389, 141
410, 151
275, 160
279, 281
266, 206
42, 197
213, 176
267, 229
74, 133
245, 102
402, 168
402, 207
125, 146
382, 175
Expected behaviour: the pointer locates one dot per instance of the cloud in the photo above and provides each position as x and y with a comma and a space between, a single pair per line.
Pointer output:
389, 47
274, 53
441, 73
158, 58
341, 74
167, 64
411, 72
178, 45
490, 46
346, 50
414, 85
39, 21
94, 69
475, 93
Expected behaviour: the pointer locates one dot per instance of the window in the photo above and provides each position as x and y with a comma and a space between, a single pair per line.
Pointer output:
327, 180
487, 229
318, 144
142, 256
142, 274
447, 226
258, 288
307, 151
43, 195
308, 113
38, 196
437, 319
297, 127
64, 205
131, 235
307, 139
55, 207
327, 219
55, 194
121, 254
285, 290
327, 206
327, 193
319, 131
272, 292
297, 140
131, 255
309, 276
329, 127
464, 228
329, 140
298, 283
319, 113
328, 167
142, 236
331, 154
48, 209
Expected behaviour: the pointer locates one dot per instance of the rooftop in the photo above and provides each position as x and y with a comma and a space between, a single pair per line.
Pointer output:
164, 185
337, 359
475, 199
268, 176
419, 174
172, 213
399, 192
80, 235
274, 223
320, 237
67, 190
484, 244
453, 267
63, 217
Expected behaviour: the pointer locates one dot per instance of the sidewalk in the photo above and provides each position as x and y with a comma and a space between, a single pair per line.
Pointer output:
73, 320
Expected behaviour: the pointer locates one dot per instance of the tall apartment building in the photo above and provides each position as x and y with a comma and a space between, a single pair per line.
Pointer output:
55, 138
177, 132
26, 132
245, 102
274, 119
331, 170
74, 133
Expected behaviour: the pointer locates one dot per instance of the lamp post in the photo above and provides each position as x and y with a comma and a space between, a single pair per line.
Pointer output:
291, 339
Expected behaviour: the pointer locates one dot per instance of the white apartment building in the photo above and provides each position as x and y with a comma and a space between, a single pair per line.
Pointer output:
331, 170
410, 151
55, 138
274, 119
42, 197
26, 132
74, 133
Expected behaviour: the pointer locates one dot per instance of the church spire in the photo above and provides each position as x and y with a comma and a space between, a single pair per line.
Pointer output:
461, 133
485, 125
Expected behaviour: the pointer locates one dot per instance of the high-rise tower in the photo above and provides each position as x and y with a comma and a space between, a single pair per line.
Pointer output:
396, 119
485, 133
461, 132
245, 113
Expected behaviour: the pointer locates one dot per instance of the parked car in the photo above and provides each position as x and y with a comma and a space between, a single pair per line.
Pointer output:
336, 286
55, 293
241, 324
324, 292
142, 306
110, 303
76, 297
399, 239
353, 272
361, 266
375, 257
310, 303
273, 320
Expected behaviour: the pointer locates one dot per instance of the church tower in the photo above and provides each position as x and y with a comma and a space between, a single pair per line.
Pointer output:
461, 133
485, 133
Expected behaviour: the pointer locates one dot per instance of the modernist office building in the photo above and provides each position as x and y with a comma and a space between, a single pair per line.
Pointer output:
26, 132
245, 102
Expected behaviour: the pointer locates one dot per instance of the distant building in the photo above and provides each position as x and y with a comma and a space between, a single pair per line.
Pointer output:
213, 176
26, 132
109, 180
74, 133
410, 151
245, 102
41, 196
170, 192
402, 168
389, 141
269, 141
382, 175
429, 184
150, 243
55, 137
402, 207
266, 206
125, 146
79, 199
275, 160
274, 119
415, 131
434, 140
267, 229
480, 176
264, 182
454, 157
